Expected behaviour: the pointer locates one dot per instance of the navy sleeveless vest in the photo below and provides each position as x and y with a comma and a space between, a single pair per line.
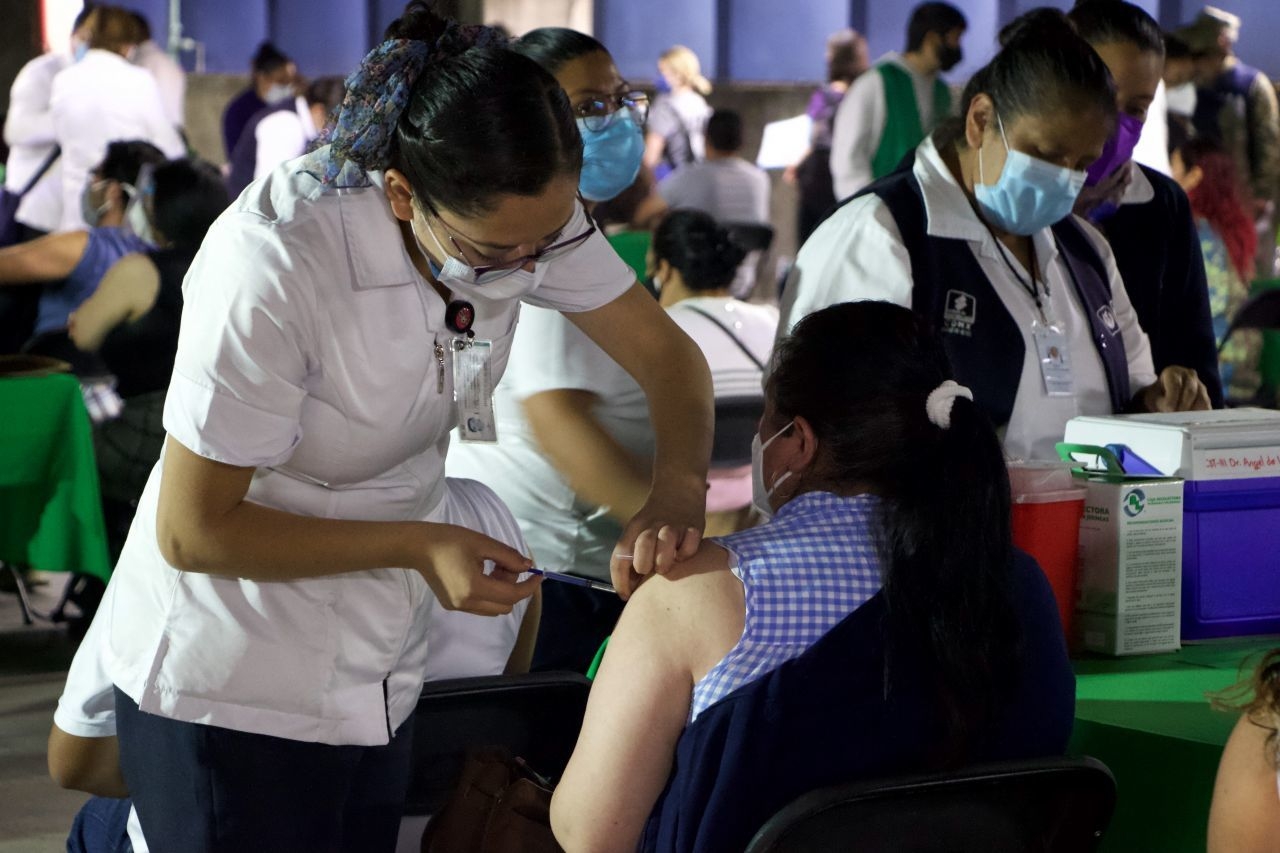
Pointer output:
985, 345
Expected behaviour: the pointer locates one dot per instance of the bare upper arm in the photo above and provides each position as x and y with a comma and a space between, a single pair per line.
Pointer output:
674, 628
90, 764
1245, 814
48, 258
193, 491
126, 292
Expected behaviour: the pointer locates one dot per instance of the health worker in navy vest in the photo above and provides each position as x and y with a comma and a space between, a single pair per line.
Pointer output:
879, 623
976, 236
274, 604
1144, 214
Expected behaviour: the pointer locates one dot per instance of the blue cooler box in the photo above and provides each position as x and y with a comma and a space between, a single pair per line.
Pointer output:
1230, 460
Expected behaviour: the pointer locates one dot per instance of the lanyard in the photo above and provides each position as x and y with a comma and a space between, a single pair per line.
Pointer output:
1031, 288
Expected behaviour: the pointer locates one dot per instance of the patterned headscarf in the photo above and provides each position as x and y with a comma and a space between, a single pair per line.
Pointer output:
378, 91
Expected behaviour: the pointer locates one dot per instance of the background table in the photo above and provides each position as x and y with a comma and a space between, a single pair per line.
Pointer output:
50, 511
1148, 719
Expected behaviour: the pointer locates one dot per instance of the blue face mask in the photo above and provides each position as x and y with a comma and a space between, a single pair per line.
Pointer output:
611, 157
79, 50
1030, 194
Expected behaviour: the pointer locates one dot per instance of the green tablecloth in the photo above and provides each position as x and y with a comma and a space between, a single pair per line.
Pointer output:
632, 247
1147, 719
50, 513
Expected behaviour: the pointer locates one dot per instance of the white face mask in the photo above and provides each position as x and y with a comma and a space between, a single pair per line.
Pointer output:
460, 278
761, 493
278, 92
136, 220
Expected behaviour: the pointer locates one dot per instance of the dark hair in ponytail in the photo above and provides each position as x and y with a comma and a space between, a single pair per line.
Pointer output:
554, 47
1043, 67
1102, 22
699, 248
859, 373
481, 121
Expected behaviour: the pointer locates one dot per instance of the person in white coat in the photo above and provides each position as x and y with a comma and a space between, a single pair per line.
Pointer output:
28, 131
169, 75
102, 98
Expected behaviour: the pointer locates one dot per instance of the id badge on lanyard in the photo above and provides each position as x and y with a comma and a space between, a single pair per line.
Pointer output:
1054, 357
473, 389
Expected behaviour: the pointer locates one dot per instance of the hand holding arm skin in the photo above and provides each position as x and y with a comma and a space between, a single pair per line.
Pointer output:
667, 364
204, 524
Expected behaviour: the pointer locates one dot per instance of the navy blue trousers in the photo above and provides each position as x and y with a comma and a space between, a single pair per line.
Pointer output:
205, 789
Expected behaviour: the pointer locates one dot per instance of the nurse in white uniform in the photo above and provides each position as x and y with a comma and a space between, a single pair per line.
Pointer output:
977, 237
268, 634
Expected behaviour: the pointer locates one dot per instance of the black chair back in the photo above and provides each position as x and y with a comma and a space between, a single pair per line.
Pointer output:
736, 422
752, 236
536, 716
1060, 805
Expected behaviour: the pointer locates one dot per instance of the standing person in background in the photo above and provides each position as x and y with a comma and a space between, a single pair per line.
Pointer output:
1228, 244
886, 114
29, 133
273, 78
575, 439
731, 189
1236, 105
1180, 88
169, 75
282, 131
680, 113
693, 263
1144, 214
102, 98
847, 58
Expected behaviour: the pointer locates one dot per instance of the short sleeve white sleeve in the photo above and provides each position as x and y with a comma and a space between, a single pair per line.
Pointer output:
856, 254
242, 362
585, 278
87, 706
550, 353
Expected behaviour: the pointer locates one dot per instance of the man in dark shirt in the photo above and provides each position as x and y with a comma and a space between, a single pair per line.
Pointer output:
274, 79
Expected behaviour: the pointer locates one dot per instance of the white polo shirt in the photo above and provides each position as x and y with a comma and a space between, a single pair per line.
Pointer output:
858, 254
307, 352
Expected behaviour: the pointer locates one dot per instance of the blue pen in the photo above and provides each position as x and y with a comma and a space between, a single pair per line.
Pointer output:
573, 579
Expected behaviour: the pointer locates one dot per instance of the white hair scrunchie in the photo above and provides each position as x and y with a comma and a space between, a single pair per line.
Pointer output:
940, 400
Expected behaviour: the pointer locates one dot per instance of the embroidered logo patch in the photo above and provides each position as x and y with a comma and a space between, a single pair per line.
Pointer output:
1108, 318
959, 314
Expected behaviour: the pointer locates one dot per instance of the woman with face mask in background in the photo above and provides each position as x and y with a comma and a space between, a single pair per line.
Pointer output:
977, 237
575, 444
1145, 216
70, 264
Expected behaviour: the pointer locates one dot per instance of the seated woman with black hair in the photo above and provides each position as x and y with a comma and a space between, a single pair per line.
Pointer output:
693, 261
70, 264
131, 323
880, 623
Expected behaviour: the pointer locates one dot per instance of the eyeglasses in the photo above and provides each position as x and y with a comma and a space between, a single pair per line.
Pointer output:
492, 272
598, 113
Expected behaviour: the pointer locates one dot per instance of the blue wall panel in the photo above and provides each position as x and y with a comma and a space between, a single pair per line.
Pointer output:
636, 33
322, 36
769, 40
229, 29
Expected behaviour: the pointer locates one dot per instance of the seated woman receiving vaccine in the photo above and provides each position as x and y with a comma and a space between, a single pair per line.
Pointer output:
879, 623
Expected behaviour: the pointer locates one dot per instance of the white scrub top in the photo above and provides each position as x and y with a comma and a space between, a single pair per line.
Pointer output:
307, 352
565, 531
858, 254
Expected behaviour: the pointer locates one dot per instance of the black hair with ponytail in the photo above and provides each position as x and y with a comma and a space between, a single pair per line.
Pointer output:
555, 47
481, 122
1102, 22
1043, 67
699, 248
859, 373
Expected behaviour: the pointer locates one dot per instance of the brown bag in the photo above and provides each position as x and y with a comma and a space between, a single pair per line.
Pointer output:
497, 807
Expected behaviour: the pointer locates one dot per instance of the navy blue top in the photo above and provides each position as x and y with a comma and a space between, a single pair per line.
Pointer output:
828, 717
105, 247
244, 159
237, 115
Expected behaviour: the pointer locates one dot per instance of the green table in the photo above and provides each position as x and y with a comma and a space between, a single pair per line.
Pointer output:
50, 512
1147, 719
632, 247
